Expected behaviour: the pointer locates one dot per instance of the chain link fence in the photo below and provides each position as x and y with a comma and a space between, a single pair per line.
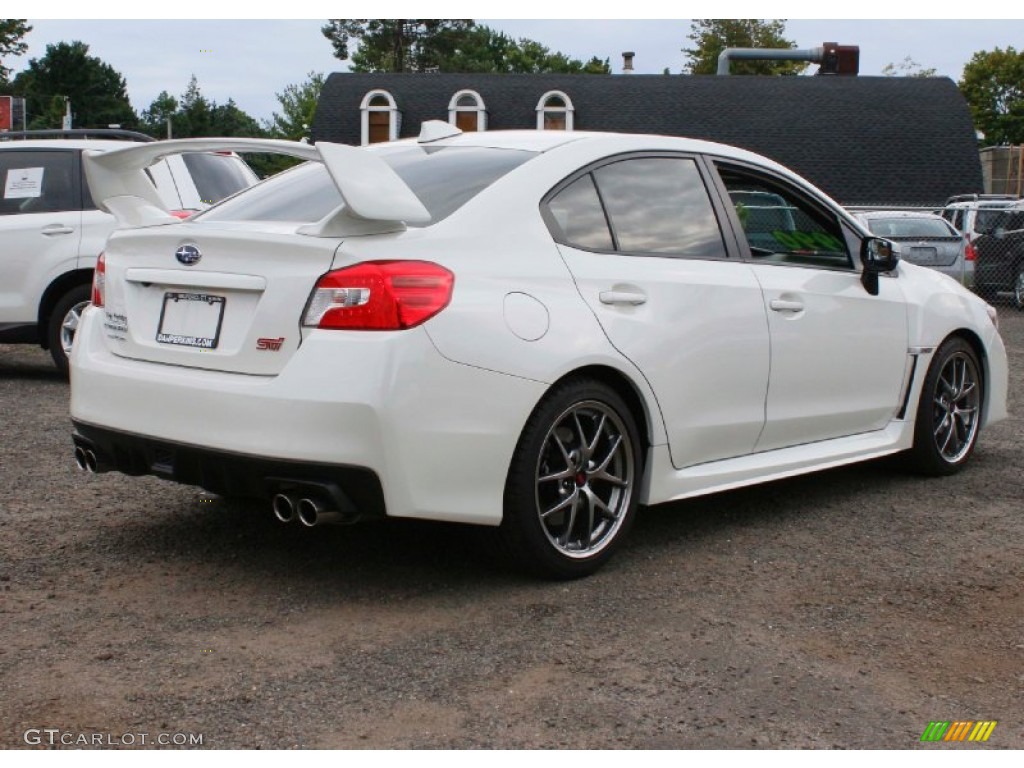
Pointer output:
976, 239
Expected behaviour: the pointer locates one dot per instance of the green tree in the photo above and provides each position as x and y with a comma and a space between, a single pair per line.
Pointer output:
229, 120
298, 106
395, 45
195, 113
712, 36
993, 84
447, 45
908, 68
153, 119
98, 93
11, 44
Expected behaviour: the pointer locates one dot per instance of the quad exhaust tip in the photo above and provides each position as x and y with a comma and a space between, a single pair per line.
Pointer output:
284, 507
312, 512
85, 458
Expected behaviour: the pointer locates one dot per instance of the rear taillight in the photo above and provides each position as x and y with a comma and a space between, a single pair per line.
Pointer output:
969, 253
379, 296
181, 214
99, 281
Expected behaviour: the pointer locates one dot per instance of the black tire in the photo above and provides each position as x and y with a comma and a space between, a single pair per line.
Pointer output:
574, 481
63, 323
949, 411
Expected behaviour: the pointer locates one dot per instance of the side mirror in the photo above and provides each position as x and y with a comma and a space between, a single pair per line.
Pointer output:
877, 255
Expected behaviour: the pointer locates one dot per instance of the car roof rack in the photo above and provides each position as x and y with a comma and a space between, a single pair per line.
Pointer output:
76, 133
974, 197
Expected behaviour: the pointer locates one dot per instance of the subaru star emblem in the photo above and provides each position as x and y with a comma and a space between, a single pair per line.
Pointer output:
188, 255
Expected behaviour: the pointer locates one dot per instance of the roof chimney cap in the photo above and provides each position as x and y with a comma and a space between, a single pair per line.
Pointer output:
627, 61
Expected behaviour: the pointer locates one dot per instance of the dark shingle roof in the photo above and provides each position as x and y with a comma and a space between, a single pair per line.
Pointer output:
864, 140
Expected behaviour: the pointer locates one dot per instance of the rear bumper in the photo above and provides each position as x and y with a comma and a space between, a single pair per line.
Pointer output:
438, 436
355, 491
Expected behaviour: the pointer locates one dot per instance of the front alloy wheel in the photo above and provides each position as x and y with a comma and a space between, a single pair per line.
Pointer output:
949, 413
572, 487
1018, 288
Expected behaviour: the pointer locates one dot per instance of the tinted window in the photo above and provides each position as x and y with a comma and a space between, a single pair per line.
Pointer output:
1010, 220
216, 176
659, 205
577, 211
783, 225
985, 220
443, 178
906, 226
37, 182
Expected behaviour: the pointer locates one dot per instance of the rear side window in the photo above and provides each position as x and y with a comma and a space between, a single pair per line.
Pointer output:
1009, 221
216, 176
578, 212
642, 205
443, 178
985, 220
37, 182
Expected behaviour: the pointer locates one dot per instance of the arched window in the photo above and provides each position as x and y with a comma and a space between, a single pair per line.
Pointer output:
381, 119
554, 112
466, 111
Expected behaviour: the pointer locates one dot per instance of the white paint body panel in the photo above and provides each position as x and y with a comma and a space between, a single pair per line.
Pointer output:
700, 338
838, 363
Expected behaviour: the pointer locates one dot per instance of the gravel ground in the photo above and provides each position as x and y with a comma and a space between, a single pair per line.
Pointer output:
843, 609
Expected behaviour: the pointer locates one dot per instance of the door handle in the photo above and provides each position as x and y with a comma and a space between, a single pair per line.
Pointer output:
57, 229
631, 298
786, 305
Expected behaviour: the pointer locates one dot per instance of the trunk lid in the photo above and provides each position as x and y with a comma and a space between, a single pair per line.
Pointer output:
224, 297
930, 252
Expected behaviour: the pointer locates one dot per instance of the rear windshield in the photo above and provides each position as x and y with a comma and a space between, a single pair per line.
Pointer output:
443, 178
216, 176
910, 227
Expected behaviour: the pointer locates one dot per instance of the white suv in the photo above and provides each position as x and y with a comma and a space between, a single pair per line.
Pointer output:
972, 215
52, 232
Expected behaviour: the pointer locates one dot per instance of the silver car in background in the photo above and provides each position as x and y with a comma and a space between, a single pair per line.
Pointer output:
925, 239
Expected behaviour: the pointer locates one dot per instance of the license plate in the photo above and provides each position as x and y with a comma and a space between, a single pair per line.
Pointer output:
922, 256
191, 320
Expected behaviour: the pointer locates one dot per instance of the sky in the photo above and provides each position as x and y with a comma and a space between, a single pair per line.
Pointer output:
253, 60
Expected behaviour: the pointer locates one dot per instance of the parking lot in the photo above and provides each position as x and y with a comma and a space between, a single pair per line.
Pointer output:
848, 608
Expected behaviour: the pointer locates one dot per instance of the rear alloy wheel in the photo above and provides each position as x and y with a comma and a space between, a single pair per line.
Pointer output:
949, 412
1018, 289
63, 326
572, 487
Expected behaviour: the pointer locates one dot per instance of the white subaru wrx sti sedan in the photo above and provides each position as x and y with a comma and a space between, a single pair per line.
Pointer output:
536, 331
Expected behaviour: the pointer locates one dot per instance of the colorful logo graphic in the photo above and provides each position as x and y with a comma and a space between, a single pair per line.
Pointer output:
959, 730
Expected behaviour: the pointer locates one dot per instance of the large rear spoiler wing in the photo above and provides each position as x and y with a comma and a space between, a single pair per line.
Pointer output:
376, 200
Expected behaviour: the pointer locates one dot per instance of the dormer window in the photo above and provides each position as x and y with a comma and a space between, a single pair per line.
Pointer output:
466, 112
381, 119
554, 112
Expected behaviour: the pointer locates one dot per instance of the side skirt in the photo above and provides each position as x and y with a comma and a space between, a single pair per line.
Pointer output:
665, 483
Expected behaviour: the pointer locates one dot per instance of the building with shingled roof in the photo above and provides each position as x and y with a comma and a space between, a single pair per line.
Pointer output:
866, 141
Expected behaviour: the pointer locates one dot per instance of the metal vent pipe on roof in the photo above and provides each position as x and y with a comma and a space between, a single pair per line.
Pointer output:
814, 55
834, 59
